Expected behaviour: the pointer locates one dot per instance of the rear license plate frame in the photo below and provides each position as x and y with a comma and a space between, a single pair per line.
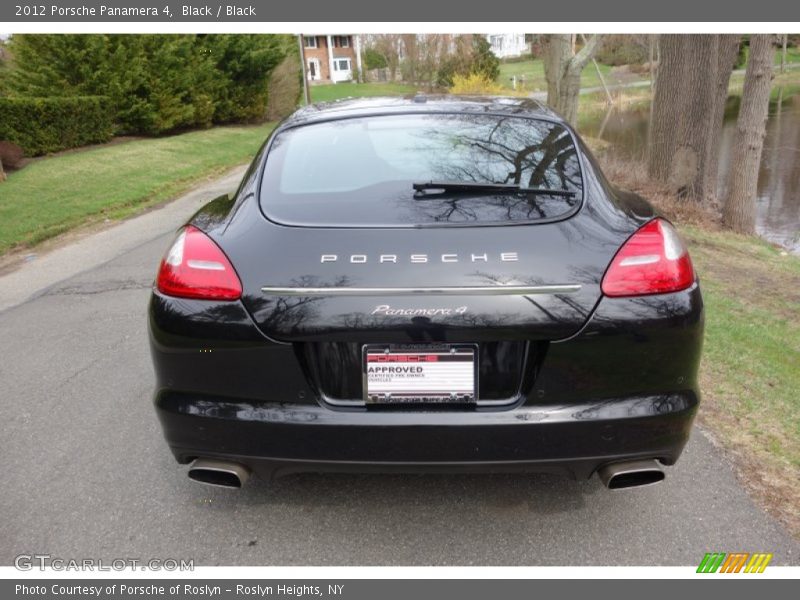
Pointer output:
468, 351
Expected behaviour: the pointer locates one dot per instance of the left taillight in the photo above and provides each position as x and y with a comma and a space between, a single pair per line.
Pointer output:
195, 267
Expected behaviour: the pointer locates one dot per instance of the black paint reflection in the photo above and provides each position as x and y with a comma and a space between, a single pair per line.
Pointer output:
359, 172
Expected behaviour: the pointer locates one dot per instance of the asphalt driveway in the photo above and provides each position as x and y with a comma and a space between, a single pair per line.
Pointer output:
87, 473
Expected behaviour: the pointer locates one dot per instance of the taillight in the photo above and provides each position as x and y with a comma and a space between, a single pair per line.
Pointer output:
654, 260
195, 267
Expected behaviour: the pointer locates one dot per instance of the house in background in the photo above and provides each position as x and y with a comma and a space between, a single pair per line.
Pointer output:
508, 45
332, 58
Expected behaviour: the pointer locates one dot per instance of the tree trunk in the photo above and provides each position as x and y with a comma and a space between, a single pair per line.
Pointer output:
728, 49
2, 172
652, 41
739, 212
303, 67
784, 42
666, 105
687, 176
684, 113
653, 44
563, 72
557, 53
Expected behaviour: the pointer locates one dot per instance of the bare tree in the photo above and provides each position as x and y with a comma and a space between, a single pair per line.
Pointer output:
727, 51
423, 54
653, 53
667, 105
739, 212
687, 112
784, 42
562, 68
652, 58
388, 46
687, 175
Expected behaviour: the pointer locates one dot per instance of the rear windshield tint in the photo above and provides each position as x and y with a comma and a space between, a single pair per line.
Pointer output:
361, 171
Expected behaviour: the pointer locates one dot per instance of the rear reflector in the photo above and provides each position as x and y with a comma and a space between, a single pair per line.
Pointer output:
195, 267
654, 260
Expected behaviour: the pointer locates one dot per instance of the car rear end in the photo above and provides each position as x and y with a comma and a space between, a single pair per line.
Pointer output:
333, 315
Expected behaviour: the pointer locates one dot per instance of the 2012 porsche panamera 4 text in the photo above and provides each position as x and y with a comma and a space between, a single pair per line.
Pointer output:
445, 284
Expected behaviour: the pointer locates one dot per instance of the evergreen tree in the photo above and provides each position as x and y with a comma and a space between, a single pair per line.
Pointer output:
156, 83
243, 63
484, 62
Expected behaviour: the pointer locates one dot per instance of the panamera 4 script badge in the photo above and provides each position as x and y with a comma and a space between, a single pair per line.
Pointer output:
391, 311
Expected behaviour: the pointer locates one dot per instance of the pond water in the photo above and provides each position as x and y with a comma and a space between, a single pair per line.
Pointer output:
778, 202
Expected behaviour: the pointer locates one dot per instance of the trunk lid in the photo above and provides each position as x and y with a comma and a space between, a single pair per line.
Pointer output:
418, 285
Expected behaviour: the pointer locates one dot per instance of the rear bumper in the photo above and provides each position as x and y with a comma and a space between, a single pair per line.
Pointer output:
624, 387
276, 439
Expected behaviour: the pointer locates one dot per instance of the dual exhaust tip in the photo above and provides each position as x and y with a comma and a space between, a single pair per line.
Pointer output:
615, 476
634, 473
219, 473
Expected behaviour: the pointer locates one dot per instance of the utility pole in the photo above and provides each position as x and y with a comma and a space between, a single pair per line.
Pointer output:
306, 91
359, 66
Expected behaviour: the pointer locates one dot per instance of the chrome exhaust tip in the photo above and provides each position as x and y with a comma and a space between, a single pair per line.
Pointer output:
219, 473
634, 473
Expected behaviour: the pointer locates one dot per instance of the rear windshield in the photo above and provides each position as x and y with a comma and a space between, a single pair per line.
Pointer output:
363, 171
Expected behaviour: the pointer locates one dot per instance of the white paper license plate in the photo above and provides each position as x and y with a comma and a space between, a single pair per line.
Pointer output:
409, 374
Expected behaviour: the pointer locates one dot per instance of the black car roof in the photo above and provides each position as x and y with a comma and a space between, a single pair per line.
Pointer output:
421, 103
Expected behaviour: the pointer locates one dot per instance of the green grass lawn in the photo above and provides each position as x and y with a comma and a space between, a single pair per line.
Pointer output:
750, 371
792, 55
752, 353
337, 91
533, 71
58, 193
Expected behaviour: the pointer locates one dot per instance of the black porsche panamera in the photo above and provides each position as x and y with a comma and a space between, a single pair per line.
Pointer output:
427, 283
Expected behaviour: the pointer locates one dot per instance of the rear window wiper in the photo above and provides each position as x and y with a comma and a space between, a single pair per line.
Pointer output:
440, 188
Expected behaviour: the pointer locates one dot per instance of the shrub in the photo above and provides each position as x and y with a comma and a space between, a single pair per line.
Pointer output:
11, 154
243, 64
619, 50
484, 62
42, 125
455, 65
374, 59
156, 83
284, 86
477, 58
476, 84
3, 71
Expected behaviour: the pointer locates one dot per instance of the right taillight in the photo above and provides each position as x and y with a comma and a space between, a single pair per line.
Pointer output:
654, 260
